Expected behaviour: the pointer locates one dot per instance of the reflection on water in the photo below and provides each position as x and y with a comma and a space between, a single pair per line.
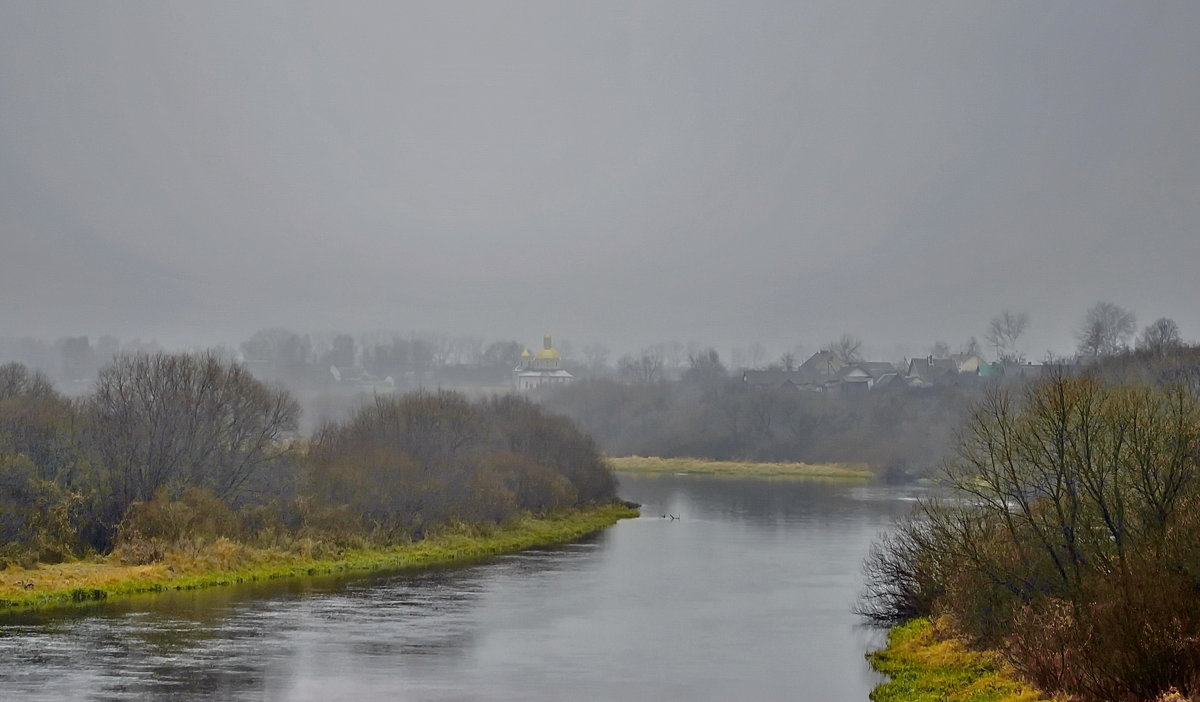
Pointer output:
746, 596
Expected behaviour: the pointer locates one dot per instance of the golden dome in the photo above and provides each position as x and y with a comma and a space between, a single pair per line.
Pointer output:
525, 354
547, 353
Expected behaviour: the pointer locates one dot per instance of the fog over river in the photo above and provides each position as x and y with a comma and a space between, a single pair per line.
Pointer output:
746, 596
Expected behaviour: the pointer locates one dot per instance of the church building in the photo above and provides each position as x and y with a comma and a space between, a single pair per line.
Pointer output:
540, 369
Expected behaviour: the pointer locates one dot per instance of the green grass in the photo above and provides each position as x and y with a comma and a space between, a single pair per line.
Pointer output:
927, 665
652, 465
82, 582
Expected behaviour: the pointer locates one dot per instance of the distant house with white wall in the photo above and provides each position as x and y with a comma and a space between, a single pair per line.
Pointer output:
863, 375
541, 369
967, 362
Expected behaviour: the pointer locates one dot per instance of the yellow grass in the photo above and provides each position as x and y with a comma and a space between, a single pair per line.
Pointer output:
94, 573
225, 562
927, 663
652, 465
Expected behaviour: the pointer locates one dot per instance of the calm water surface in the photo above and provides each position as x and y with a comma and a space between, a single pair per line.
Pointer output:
745, 597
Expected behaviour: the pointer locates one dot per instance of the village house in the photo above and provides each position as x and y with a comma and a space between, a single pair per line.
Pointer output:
929, 371
357, 378
826, 373
862, 376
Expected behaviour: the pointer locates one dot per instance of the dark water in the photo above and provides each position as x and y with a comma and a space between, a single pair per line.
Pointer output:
746, 597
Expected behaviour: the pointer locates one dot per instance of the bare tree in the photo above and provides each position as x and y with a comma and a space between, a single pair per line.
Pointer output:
184, 420
1004, 332
501, 354
847, 348
1160, 336
792, 359
646, 367
596, 354
16, 380
940, 349
1105, 330
463, 350
970, 347
705, 368
671, 353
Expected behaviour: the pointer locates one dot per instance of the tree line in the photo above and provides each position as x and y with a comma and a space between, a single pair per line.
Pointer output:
900, 432
168, 445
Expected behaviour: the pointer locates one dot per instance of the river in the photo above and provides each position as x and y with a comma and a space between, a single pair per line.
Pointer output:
746, 596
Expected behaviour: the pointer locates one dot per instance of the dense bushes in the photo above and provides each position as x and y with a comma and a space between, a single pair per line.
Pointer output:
403, 463
40, 510
1071, 541
190, 450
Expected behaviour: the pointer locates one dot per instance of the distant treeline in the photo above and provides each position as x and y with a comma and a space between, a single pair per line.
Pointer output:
329, 374
171, 446
301, 359
1070, 539
901, 432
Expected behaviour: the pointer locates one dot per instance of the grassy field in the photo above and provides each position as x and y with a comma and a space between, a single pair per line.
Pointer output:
927, 667
651, 465
227, 563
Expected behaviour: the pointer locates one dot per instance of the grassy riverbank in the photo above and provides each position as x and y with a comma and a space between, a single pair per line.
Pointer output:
652, 465
927, 665
225, 562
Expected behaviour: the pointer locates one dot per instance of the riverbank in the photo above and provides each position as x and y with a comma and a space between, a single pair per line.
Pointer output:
926, 664
747, 469
227, 563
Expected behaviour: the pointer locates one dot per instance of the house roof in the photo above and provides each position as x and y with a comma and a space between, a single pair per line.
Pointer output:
877, 368
929, 368
824, 363
889, 380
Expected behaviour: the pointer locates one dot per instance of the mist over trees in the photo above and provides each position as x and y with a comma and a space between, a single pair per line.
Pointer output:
643, 367
1105, 330
183, 446
332, 373
905, 430
316, 365
1160, 337
847, 348
708, 414
1004, 333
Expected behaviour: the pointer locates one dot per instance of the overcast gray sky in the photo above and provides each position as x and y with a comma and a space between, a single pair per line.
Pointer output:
728, 172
